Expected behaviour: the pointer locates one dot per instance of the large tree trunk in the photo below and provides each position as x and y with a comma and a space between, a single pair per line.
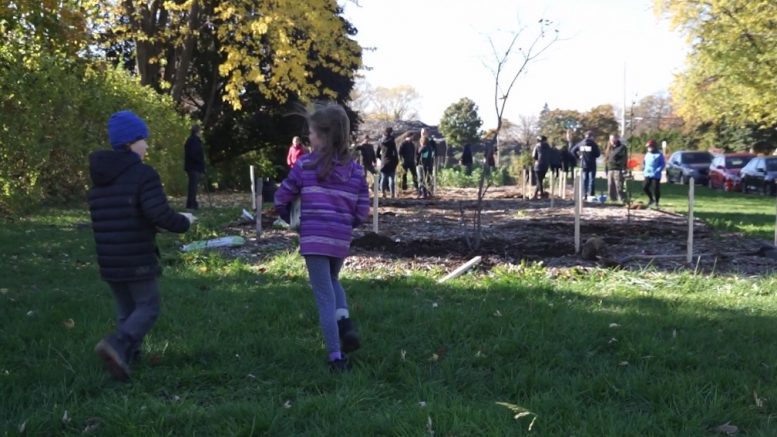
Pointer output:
185, 57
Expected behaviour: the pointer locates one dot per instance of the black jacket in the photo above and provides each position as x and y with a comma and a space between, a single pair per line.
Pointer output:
367, 153
194, 156
127, 204
586, 151
387, 152
407, 154
617, 156
542, 156
466, 155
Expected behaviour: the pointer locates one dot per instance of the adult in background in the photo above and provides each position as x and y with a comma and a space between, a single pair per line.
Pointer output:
128, 206
616, 158
296, 150
652, 167
389, 159
367, 155
542, 156
587, 151
466, 159
426, 156
555, 160
568, 160
407, 158
194, 165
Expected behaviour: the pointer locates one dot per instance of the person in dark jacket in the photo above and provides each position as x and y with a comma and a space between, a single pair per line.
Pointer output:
389, 160
466, 159
425, 167
194, 165
555, 160
407, 158
568, 161
587, 151
616, 157
367, 155
542, 157
128, 205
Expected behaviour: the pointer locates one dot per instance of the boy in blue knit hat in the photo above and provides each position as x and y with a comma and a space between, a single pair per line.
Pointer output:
127, 206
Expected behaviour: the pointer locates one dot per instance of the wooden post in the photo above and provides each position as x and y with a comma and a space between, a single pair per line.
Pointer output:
523, 183
577, 208
296, 207
258, 205
253, 189
375, 190
461, 270
563, 187
551, 187
691, 187
434, 179
775, 229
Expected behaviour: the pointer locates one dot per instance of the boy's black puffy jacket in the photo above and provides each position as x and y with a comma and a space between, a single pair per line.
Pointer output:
127, 204
586, 151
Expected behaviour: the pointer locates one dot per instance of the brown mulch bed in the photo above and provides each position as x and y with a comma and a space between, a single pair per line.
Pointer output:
437, 234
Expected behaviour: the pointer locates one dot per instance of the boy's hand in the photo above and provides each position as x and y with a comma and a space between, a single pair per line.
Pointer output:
189, 216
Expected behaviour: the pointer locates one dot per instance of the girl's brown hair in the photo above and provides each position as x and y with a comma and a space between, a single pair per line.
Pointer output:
333, 128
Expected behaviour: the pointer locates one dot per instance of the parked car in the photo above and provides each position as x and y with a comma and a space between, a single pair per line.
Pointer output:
684, 165
724, 171
759, 175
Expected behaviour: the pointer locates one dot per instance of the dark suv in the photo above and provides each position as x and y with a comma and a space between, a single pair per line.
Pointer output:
759, 175
684, 165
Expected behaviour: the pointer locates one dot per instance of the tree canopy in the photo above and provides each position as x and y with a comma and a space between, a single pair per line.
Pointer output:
460, 123
730, 68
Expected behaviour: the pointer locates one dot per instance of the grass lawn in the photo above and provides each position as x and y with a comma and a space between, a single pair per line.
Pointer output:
519, 350
749, 213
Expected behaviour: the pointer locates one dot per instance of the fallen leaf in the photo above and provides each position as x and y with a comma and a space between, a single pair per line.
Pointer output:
623, 363
612, 340
22, 427
422, 404
30, 313
434, 358
287, 404
403, 354
434, 305
65, 418
614, 325
497, 313
251, 375
759, 402
69, 323
3, 290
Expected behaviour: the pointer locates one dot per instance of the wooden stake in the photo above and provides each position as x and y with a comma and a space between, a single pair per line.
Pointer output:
258, 205
375, 190
775, 230
523, 184
576, 195
550, 189
253, 189
461, 270
691, 189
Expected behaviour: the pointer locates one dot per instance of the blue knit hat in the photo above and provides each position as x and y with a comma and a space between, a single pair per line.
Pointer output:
124, 127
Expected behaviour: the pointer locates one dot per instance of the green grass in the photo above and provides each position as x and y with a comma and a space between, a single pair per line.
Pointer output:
237, 349
751, 214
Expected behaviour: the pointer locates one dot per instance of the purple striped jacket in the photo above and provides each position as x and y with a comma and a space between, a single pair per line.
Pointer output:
330, 208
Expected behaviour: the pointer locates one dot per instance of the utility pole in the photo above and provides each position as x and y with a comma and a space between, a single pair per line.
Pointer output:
623, 111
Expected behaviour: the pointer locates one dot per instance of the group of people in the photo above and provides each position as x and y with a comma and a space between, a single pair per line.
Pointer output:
416, 161
586, 152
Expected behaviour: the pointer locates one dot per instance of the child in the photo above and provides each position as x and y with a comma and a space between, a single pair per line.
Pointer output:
334, 201
127, 205
652, 166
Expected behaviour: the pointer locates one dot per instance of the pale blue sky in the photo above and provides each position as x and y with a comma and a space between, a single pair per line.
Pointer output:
440, 46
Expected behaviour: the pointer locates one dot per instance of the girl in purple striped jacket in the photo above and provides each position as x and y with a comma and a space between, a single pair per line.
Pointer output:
335, 199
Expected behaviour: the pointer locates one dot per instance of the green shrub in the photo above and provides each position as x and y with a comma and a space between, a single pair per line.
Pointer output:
54, 112
456, 177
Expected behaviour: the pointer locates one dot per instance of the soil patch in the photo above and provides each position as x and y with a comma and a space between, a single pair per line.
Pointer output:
437, 233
